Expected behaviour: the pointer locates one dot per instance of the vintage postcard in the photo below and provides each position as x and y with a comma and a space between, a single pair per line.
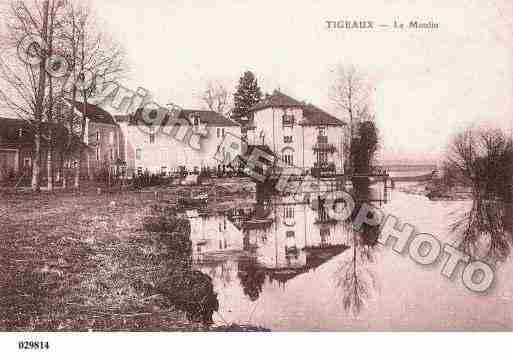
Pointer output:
241, 166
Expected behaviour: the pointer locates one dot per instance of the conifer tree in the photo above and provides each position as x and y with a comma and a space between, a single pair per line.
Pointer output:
248, 93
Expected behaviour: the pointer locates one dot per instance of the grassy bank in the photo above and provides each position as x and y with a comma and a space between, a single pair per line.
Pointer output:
82, 261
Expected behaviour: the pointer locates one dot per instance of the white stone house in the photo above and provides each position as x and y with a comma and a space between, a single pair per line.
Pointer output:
300, 134
171, 146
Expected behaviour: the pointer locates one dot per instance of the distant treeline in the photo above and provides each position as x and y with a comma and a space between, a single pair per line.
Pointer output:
409, 167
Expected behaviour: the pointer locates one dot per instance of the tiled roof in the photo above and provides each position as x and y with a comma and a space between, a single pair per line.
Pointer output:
122, 118
94, 113
9, 128
210, 118
277, 99
6, 122
313, 116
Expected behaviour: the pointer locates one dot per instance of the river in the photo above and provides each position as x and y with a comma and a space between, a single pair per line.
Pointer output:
287, 266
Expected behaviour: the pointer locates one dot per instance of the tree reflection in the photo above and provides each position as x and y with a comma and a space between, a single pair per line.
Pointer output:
482, 160
222, 272
485, 231
354, 276
251, 277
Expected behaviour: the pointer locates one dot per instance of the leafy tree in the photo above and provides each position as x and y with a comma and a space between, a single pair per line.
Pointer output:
248, 93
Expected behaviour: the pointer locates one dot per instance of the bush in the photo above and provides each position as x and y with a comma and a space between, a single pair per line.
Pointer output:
166, 224
192, 292
147, 179
176, 247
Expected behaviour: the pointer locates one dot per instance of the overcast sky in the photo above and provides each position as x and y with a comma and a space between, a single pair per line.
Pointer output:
428, 83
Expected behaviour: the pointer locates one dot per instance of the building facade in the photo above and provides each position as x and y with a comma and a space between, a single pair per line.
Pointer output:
300, 134
188, 143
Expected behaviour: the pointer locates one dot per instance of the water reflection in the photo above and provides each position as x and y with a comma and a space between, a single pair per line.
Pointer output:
485, 231
287, 265
276, 240
354, 276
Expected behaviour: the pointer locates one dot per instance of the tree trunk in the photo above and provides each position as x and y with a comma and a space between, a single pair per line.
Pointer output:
39, 106
64, 178
63, 172
49, 169
77, 170
36, 156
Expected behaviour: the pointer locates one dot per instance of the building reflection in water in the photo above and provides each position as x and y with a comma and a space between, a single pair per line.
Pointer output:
273, 242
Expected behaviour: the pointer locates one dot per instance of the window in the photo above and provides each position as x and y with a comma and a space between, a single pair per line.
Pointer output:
20, 132
111, 154
323, 157
223, 132
325, 235
27, 162
289, 212
111, 138
152, 138
163, 170
218, 132
288, 120
287, 139
138, 154
97, 153
322, 137
289, 234
288, 158
98, 136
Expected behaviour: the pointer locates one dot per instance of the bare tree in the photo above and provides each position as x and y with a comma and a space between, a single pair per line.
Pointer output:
24, 75
350, 92
216, 97
31, 90
482, 159
94, 60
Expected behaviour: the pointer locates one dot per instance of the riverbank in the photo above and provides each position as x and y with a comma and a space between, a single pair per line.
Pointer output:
433, 191
77, 261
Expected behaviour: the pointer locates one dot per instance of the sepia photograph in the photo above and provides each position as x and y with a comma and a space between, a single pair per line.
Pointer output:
169, 167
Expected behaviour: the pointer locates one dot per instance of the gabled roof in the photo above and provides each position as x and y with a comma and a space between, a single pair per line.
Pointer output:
122, 118
315, 257
6, 122
9, 131
210, 118
94, 113
313, 116
277, 99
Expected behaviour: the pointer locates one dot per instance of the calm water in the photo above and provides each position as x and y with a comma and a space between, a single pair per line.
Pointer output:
289, 267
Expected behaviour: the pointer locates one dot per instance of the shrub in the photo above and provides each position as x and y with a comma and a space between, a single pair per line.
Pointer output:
192, 292
147, 179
